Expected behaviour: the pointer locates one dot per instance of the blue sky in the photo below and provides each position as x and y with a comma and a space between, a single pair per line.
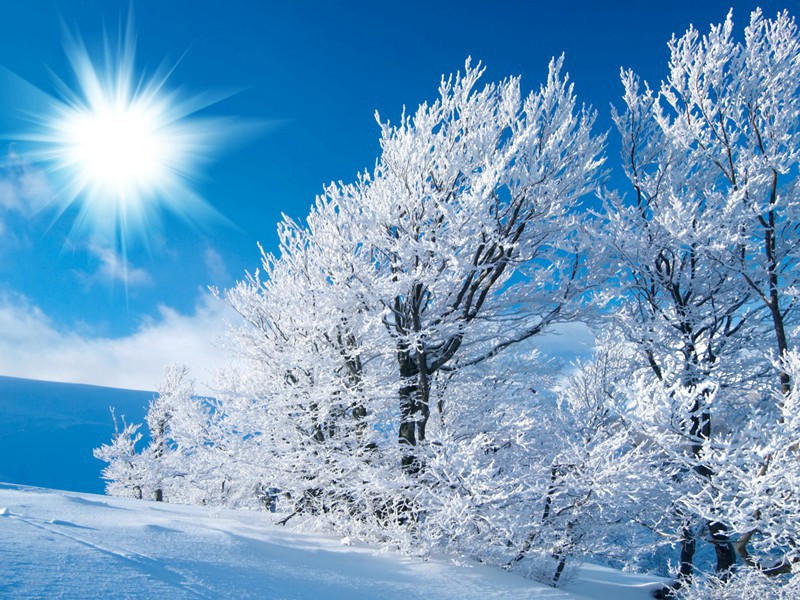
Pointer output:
315, 73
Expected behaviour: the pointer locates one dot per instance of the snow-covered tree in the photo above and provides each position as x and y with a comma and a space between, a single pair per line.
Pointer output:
172, 393
407, 292
735, 108
713, 161
124, 471
471, 220
600, 484
676, 300
180, 462
304, 396
756, 481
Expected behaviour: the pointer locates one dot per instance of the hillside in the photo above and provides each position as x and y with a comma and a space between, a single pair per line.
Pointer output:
48, 431
74, 545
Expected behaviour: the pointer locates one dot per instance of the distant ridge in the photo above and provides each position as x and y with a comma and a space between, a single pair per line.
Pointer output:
48, 430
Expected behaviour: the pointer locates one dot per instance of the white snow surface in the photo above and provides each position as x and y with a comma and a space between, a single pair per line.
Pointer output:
59, 544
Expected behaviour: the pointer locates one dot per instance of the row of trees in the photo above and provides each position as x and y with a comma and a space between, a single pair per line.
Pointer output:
389, 386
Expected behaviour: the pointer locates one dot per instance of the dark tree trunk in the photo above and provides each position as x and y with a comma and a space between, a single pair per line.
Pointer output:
548, 502
700, 431
562, 562
772, 255
407, 432
688, 546
414, 411
686, 570
783, 346
726, 555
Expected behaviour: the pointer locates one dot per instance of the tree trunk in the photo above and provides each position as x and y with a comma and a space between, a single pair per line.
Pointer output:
726, 556
414, 396
688, 546
548, 502
700, 431
407, 433
686, 570
562, 562
783, 346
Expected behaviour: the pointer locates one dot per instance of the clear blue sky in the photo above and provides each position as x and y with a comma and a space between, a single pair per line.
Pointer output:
320, 69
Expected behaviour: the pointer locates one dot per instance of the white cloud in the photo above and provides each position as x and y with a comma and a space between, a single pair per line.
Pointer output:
24, 188
112, 268
32, 347
24, 192
216, 267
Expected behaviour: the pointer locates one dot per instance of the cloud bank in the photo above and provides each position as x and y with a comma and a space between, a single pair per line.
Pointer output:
32, 347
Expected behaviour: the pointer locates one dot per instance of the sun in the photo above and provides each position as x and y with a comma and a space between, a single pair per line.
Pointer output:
121, 145
120, 149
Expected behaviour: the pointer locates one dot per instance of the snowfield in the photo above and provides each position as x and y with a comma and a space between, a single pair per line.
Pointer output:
72, 545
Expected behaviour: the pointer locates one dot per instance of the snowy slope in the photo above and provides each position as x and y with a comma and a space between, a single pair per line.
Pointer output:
48, 430
72, 545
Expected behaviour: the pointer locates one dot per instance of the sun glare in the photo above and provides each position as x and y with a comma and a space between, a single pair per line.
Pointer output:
122, 146
117, 149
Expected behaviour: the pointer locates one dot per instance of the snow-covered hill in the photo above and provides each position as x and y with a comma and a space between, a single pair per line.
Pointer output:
48, 430
72, 545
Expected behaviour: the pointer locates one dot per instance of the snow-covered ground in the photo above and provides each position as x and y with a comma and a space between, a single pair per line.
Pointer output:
56, 544
59, 544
